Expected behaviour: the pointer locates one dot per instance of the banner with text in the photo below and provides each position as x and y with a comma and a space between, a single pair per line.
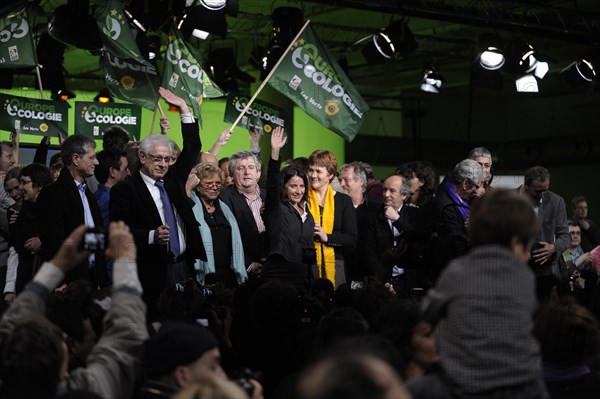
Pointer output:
311, 77
261, 116
30, 116
16, 44
91, 118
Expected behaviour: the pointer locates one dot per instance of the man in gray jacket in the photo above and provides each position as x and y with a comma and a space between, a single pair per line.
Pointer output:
33, 354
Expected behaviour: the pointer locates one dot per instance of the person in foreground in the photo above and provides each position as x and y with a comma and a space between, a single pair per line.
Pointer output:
484, 302
33, 354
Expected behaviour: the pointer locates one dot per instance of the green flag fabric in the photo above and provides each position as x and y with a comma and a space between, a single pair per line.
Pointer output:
262, 116
116, 34
311, 77
183, 73
16, 43
31, 116
131, 81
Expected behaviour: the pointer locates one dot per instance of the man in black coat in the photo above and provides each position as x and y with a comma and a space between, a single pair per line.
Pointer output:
67, 203
165, 231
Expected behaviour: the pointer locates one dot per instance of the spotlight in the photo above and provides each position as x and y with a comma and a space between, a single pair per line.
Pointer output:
104, 97
200, 22
133, 21
491, 56
154, 44
224, 70
214, 4
432, 80
582, 71
287, 22
527, 84
63, 95
523, 59
73, 25
395, 40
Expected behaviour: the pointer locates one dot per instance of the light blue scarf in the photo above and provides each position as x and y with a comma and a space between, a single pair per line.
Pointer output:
237, 260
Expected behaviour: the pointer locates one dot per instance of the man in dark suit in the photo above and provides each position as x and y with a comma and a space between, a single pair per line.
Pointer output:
245, 199
387, 231
68, 203
154, 205
550, 208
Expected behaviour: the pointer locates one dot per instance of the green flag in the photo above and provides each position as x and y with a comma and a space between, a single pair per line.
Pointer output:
131, 81
116, 34
93, 118
311, 77
31, 116
183, 73
16, 44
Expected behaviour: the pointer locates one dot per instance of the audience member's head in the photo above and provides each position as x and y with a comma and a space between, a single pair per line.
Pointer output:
422, 179
79, 156
156, 155
484, 157
339, 324
12, 185
33, 179
467, 177
112, 166
7, 157
224, 166
286, 176
324, 160
353, 178
568, 333
182, 354
579, 206
245, 169
115, 137
396, 190
34, 359
208, 157
536, 183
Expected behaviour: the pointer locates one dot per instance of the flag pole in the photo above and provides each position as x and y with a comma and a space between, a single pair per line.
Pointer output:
39, 78
153, 119
287, 50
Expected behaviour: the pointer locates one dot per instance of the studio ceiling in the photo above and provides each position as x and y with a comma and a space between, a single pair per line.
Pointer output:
446, 32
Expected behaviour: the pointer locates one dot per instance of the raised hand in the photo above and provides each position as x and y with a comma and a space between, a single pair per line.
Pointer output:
173, 99
278, 140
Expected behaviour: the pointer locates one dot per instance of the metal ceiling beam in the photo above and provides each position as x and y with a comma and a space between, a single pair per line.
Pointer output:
559, 23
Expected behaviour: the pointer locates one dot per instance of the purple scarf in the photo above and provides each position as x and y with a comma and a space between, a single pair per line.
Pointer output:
463, 207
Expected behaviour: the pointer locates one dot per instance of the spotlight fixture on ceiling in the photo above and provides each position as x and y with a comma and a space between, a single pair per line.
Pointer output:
287, 22
432, 80
527, 64
396, 40
72, 24
583, 71
491, 55
214, 5
104, 96
200, 22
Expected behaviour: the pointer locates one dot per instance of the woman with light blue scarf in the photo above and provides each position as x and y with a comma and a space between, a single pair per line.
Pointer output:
219, 231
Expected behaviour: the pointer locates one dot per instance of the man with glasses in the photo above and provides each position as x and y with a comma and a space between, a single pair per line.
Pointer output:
153, 203
550, 208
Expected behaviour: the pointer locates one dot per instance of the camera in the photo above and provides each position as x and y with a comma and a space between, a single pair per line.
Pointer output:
94, 240
242, 379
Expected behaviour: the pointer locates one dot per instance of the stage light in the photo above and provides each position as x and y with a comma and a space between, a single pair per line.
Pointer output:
63, 95
527, 84
432, 80
491, 56
133, 21
214, 5
200, 22
73, 25
522, 59
104, 97
583, 71
396, 40
287, 22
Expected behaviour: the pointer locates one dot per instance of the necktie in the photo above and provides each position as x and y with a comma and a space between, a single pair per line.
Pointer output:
169, 218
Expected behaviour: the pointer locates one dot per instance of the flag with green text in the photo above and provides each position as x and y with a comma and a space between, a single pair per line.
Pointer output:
116, 35
311, 77
16, 43
183, 73
131, 81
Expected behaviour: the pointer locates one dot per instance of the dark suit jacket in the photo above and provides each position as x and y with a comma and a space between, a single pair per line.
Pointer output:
379, 236
131, 202
442, 215
61, 211
552, 215
253, 241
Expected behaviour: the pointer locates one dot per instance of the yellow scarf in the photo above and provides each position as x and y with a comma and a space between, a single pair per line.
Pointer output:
326, 266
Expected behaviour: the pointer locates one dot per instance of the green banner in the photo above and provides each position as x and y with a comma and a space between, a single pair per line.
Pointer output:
116, 34
29, 116
16, 44
183, 73
92, 118
130, 81
311, 77
261, 116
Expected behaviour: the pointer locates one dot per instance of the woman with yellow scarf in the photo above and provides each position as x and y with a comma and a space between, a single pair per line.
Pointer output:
335, 219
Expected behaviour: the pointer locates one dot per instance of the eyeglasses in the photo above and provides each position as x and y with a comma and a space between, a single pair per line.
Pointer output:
157, 159
24, 182
215, 184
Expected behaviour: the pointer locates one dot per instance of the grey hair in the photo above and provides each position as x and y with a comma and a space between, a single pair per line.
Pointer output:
75, 144
242, 155
480, 152
469, 170
359, 172
155, 140
406, 187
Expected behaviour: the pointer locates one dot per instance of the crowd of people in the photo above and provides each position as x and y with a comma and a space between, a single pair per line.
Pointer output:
147, 270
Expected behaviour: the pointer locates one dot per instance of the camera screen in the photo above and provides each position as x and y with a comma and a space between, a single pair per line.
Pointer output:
93, 241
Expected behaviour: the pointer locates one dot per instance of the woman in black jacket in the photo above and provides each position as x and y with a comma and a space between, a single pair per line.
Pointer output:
288, 223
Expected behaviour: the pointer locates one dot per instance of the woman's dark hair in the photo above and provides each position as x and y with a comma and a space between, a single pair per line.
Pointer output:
422, 170
286, 174
39, 174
